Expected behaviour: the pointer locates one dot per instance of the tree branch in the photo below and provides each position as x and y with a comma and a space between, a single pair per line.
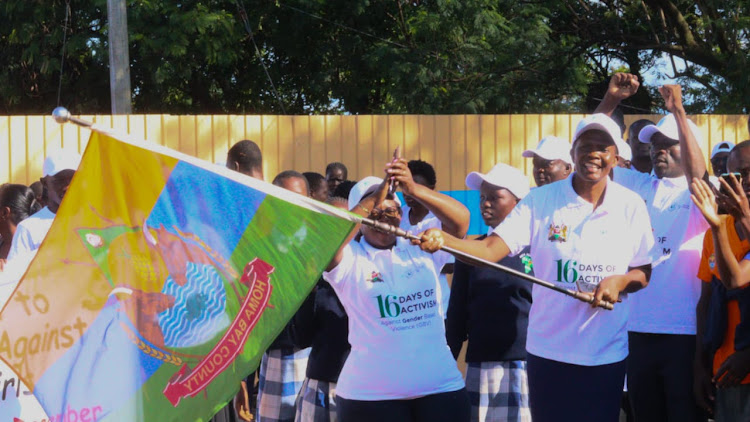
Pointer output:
681, 26
717, 31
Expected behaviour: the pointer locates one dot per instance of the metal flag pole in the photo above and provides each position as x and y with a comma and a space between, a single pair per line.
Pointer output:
62, 115
387, 228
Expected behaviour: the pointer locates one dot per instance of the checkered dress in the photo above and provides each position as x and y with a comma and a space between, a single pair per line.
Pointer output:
316, 402
281, 375
498, 391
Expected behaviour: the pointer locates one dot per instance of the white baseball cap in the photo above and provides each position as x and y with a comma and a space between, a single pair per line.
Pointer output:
59, 160
502, 176
364, 187
667, 126
724, 146
600, 121
551, 148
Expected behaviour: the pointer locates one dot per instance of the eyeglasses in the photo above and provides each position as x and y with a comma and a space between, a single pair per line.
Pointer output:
390, 212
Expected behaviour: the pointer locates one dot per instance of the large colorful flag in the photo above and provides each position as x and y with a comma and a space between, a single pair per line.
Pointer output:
160, 284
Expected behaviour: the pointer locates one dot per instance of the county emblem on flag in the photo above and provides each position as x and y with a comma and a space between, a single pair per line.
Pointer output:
160, 284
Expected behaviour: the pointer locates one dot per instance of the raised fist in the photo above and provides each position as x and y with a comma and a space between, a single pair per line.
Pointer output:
623, 85
672, 95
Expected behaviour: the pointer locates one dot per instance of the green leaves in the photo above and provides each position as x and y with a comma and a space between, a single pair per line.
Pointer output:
369, 56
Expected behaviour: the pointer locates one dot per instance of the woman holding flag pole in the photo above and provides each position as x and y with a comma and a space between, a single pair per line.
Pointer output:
588, 233
400, 367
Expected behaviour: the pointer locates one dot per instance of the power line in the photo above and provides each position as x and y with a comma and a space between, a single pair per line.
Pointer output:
246, 21
628, 106
62, 51
312, 15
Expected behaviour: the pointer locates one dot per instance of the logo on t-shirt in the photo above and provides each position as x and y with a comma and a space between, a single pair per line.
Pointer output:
375, 277
712, 261
528, 265
558, 233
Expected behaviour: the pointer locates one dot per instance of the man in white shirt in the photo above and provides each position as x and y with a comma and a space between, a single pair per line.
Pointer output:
662, 323
58, 170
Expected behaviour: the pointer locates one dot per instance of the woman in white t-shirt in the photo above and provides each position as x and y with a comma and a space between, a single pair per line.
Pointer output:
400, 367
588, 233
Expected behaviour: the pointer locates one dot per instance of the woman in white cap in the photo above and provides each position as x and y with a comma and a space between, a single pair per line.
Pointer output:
551, 160
584, 232
400, 367
490, 308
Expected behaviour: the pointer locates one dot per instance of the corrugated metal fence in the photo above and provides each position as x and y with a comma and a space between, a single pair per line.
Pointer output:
454, 144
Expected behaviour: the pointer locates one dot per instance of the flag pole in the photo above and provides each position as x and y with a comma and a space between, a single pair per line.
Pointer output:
387, 228
62, 115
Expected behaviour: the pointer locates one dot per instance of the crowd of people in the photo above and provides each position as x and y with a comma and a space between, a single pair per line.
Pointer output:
637, 223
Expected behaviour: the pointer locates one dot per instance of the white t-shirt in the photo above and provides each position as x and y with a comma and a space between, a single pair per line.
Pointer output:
667, 306
430, 221
396, 329
570, 241
714, 181
30, 233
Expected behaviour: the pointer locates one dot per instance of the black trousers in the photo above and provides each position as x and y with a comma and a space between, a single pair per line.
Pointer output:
442, 407
660, 378
563, 392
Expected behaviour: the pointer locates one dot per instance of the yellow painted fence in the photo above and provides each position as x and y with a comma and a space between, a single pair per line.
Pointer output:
454, 144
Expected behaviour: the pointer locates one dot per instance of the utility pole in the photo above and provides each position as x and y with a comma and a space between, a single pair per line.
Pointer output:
119, 58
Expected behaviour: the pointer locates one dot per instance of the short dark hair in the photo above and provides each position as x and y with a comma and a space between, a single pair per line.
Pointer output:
37, 188
290, 174
742, 145
40, 190
424, 169
337, 166
337, 200
314, 179
343, 189
247, 155
20, 199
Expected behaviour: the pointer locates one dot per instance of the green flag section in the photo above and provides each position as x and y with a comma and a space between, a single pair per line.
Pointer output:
160, 284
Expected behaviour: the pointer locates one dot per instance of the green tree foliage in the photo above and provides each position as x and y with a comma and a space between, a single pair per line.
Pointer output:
711, 35
447, 56
30, 51
369, 56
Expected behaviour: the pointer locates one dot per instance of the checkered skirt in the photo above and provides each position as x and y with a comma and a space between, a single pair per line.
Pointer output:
316, 402
279, 381
498, 391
